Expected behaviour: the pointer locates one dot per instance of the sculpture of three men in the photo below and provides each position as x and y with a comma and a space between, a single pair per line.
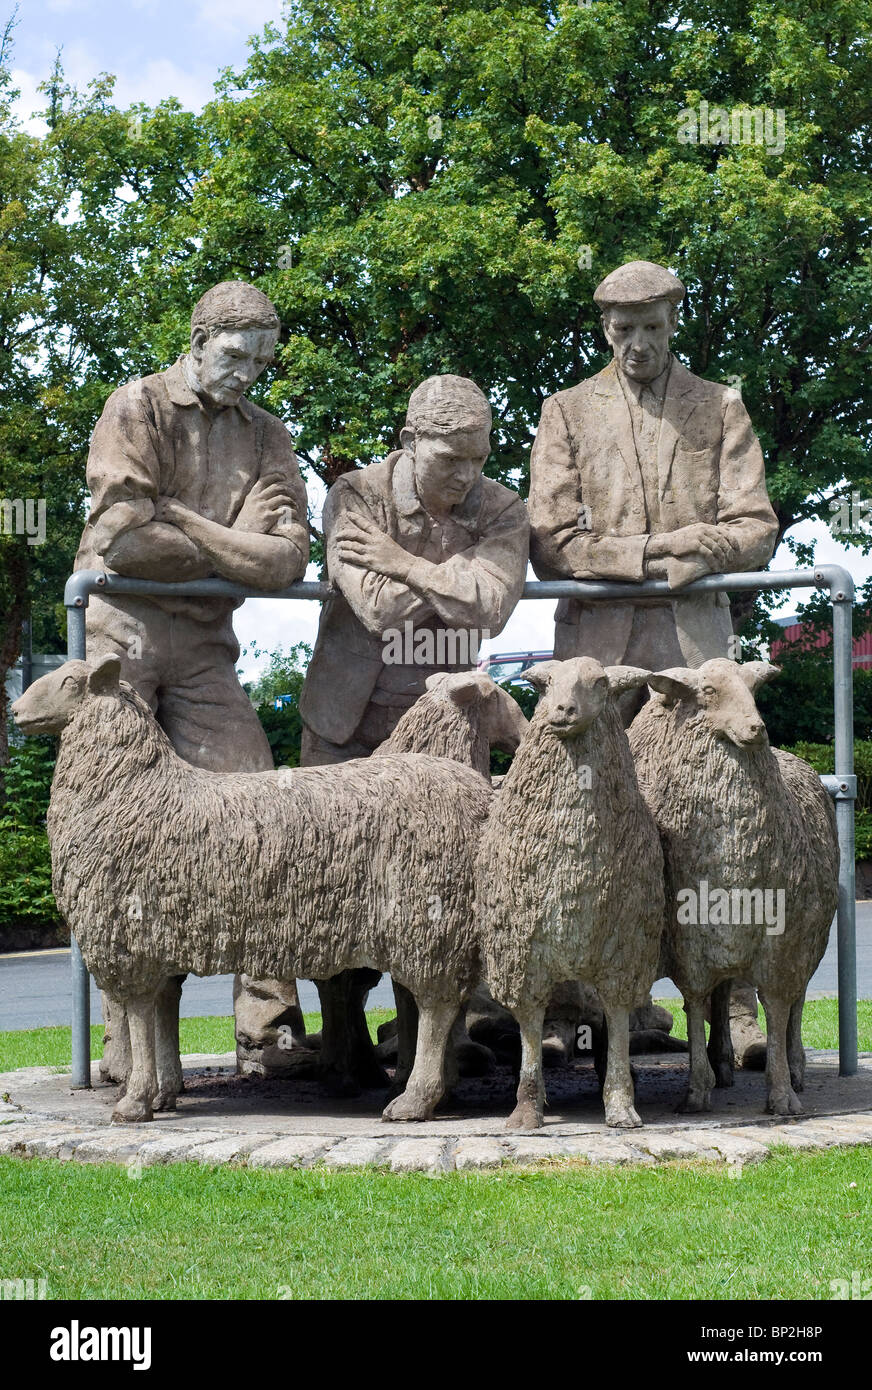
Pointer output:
643, 471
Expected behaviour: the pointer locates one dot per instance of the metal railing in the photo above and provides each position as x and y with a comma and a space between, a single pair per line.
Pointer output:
842, 786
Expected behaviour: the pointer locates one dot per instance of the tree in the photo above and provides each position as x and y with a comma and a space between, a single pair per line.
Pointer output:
430, 187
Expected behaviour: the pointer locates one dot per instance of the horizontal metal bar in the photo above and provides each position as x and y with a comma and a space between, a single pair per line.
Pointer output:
839, 582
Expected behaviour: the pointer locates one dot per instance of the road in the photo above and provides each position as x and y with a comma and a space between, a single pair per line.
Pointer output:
35, 985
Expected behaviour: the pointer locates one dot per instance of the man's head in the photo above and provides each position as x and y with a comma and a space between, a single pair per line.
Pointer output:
234, 330
447, 433
639, 303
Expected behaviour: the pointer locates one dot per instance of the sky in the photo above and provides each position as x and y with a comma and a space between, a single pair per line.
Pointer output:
160, 48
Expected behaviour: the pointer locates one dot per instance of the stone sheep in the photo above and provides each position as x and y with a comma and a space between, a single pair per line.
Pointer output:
752, 861
570, 874
161, 868
461, 715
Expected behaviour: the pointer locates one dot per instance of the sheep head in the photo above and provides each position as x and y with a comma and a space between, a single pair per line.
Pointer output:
502, 721
723, 693
575, 692
47, 706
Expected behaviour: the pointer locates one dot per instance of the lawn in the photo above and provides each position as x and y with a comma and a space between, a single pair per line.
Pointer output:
50, 1047
782, 1230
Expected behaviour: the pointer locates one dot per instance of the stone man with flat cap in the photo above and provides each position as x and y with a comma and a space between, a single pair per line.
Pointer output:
646, 471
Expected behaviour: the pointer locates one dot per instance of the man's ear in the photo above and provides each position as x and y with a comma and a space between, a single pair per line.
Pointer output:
756, 673
539, 675
104, 675
679, 683
199, 336
623, 678
407, 439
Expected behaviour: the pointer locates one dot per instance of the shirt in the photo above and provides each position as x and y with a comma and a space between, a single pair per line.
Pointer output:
158, 438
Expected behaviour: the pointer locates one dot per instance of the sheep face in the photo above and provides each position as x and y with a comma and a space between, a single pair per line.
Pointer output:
575, 692
48, 705
723, 692
502, 720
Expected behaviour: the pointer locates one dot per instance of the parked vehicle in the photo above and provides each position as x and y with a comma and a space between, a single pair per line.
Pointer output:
509, 667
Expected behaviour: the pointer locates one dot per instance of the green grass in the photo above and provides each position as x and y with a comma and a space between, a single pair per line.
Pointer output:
782, 1230
50, 1047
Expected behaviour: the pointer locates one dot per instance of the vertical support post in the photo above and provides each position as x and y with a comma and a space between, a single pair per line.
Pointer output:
843, 699
81, 980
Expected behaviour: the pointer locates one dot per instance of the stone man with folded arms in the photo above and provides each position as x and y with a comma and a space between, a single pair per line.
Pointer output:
646, 471
189, 480
427, 557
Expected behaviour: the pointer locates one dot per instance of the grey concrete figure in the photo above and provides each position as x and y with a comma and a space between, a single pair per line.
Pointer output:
570, 875
752, 864
344, 871
427, 557
647, 471
188, 479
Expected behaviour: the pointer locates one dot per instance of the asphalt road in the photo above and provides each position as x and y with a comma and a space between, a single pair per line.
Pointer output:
35, 985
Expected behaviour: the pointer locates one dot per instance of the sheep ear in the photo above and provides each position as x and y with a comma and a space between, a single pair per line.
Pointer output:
487, 686
756, 673
433, 682
462, 688
539, 675
103, 678
623, 678
679, 683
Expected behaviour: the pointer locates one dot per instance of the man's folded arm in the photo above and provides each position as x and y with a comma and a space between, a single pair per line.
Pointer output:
380, 603
480, 586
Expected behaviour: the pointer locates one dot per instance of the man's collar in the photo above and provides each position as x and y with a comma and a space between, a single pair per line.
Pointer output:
408, 503
658, 387
183, 389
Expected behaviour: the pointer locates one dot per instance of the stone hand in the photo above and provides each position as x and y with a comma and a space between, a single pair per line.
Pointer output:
172, 511
360, 542
265, 505
699, 541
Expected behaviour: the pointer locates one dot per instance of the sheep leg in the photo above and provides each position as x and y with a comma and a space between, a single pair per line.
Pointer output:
348, 1059
407, 1038
702, 1078
781, 1099
426, 1084
618, 1089
795, 1049
166, 1027
115, 1064
720, 1045
138, 1100
530, 1103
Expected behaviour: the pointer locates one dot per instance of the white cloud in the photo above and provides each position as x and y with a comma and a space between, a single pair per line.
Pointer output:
29, 101
239, 16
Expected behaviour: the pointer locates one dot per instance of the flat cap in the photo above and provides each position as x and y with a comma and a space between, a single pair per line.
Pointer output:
639, 282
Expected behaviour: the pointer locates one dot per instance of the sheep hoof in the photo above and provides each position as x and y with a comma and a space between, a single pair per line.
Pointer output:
783, 1103
407, 1107
131, 1110
525, 1116
620, 1116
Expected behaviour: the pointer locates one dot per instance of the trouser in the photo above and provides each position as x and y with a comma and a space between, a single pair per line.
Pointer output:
186, 671
347, 1054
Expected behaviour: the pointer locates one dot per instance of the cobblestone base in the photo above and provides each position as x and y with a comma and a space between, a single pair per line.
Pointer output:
32, 1125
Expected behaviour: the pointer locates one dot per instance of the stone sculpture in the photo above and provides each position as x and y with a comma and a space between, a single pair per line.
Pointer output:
427, 556
570, 874
188, 480
647, 471
162, 868
752, 863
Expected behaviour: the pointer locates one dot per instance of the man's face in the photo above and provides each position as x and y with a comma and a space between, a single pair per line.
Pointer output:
447, 466
639, 336
228, 362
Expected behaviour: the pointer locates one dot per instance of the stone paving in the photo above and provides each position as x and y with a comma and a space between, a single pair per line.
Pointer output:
226, 1119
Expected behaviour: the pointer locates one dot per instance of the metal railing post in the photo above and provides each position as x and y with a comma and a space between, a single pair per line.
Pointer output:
81, 980
841, 597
